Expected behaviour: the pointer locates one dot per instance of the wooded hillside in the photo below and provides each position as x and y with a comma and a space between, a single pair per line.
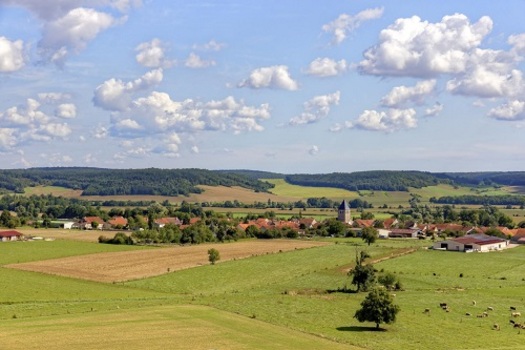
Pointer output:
106, 182
369, 180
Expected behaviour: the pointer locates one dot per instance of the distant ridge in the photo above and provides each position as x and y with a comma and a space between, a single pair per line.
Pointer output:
175, 182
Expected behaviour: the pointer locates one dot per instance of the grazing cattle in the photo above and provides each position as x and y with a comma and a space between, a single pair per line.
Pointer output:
443, 305
480, 316
517, 325
495, 326
512, 321
485, 314
447, 309
474, 302
468, 314
490, 308
516, 314
513, 308
427, 311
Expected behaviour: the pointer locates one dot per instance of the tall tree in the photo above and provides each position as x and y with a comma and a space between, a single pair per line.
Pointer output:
378, 307
369, 235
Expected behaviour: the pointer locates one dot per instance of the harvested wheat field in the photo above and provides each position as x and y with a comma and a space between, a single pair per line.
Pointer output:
125, 266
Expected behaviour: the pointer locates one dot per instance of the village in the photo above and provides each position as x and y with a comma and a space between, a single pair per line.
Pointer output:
444, 236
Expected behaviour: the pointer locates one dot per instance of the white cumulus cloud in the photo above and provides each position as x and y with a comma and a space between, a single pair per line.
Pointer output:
66, 110
345, 24
116, 95
151, 54
386, 121
316, 108
512, 110
326, 67
412, 47
195, 61
11, 55
72, 32
274, 77
400, 95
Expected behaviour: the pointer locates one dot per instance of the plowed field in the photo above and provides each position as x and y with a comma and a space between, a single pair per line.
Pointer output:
124, 266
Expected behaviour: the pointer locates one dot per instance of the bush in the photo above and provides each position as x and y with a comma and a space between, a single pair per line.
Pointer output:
213, 255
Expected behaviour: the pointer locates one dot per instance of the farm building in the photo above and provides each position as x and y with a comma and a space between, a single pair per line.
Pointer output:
6, 236
475, 242
404, 233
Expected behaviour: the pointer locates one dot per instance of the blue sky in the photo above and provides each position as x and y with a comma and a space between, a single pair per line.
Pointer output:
287, 86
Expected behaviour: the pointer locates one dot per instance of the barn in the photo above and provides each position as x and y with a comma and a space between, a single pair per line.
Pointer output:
472, 243
6, 236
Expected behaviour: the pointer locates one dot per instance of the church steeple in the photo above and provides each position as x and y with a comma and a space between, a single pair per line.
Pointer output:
343, 212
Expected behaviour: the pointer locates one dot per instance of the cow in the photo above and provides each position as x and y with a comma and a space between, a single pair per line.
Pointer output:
513, 308
474, 302
468, 314
490, 308
427, 311
516, 314
495, 326
443, 305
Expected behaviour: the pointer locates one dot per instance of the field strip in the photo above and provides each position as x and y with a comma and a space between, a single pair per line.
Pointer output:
166, 327
129, 265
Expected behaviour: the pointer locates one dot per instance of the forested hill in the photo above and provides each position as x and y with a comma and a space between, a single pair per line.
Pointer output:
106, 182
509, 178
391, 180
381, 180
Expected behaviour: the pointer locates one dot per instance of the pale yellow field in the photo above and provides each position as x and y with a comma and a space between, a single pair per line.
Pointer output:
129, 265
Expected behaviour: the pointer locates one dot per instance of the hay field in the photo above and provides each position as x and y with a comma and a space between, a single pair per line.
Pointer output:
130, 265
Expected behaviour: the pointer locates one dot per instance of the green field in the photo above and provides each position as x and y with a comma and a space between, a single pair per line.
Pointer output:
279, 300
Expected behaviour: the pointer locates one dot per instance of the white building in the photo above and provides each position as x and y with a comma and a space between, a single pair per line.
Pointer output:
476, 243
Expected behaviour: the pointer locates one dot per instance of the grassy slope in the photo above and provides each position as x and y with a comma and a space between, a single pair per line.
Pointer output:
284, 289
166, 327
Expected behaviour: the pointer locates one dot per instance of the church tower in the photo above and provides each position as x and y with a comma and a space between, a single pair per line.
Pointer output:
343, 212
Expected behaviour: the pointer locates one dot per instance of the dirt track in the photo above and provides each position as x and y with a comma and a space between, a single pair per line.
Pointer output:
124, 266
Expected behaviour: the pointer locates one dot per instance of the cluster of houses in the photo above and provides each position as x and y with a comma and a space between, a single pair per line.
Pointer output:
471, 238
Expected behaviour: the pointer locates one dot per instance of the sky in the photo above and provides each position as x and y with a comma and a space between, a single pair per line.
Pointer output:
288, 86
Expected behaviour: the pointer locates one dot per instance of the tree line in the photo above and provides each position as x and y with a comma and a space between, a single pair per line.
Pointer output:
481, 200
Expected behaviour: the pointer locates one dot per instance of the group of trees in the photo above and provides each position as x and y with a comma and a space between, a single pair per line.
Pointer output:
486, 216
378, 305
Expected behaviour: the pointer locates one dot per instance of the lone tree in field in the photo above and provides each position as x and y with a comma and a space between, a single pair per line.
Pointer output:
377, 307
369, 235
213, 255
363, 276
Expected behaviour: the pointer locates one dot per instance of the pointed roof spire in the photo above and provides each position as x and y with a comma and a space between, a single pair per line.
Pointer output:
344, 205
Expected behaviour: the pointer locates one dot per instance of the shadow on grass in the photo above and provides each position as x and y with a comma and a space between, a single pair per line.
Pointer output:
341, 290
360, 329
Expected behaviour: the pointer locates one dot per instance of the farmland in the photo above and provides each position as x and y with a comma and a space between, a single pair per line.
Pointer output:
285, 295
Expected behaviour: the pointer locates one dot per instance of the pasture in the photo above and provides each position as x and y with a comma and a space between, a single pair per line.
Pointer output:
286, 299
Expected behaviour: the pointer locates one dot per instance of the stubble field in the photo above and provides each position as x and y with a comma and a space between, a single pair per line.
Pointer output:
129, 265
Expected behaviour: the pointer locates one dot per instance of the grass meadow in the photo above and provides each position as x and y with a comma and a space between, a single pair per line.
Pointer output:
285, 300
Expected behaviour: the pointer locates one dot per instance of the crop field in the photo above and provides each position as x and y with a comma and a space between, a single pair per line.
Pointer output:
128, 265
286, 299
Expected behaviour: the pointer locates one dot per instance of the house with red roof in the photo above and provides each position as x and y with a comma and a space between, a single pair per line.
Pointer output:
161, 222
88, 223
9, 236
118, 221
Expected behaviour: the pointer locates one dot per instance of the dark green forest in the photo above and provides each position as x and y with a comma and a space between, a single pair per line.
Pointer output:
109, 182
379, 180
